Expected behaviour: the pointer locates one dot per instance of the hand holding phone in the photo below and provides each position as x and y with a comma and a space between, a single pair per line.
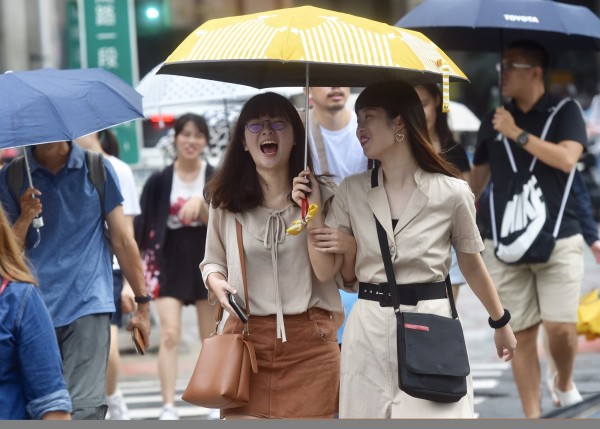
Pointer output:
237, 307
138, 341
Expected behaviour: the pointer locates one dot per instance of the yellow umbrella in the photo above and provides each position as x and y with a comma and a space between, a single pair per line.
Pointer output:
273, 48
308, 45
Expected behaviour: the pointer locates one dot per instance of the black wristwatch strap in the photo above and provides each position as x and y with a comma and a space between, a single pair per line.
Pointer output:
497, 324
143, 299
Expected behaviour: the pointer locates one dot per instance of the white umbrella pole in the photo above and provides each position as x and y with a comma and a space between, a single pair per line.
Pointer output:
38, 221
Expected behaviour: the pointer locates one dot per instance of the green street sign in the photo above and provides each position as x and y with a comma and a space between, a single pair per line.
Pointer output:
107, 39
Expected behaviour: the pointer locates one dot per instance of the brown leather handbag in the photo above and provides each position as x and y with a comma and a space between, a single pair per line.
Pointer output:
221, 378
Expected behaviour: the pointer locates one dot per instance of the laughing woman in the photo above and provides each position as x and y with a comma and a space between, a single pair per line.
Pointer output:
294, 317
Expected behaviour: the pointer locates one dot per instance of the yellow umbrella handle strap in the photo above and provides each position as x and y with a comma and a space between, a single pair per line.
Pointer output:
445, 85
298, 225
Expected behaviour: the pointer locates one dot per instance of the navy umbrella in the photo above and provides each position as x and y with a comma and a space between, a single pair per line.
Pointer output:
49, 105
489, 25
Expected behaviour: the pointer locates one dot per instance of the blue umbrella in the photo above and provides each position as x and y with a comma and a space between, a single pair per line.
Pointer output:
49, 105
489, 25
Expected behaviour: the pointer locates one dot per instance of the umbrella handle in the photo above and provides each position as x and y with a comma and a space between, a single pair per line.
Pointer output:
304, 208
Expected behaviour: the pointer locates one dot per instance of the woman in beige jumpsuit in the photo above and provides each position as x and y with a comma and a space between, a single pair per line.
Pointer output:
293, 316
424, 209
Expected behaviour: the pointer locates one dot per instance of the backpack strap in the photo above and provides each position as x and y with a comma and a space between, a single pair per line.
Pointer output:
15, 175
511, 159
97, 175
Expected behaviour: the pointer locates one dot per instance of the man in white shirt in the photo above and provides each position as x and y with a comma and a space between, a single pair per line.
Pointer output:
335, 149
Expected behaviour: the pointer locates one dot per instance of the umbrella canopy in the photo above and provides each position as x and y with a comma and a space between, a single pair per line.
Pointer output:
489, 25
461, 118
165, 92
49, 105
162, 91
273, 48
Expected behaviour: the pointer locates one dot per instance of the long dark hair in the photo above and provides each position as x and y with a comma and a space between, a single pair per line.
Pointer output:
109, 142
399, 98
236, 186
441, 119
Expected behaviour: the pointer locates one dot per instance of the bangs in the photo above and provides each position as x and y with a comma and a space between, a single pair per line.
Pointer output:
375, 96
267, 104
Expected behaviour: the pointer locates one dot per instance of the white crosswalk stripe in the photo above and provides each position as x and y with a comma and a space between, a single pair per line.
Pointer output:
144, 400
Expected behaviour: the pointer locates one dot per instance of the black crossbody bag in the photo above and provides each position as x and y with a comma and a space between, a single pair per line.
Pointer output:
432, 355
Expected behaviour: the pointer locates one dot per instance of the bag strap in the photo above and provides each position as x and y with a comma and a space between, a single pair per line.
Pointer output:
240, 243
387, 261
545, 130
317, 136
511, 159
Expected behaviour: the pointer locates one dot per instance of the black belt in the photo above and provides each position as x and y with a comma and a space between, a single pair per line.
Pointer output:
409, 294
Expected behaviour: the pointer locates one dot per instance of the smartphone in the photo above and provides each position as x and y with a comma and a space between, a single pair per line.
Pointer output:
138, 341
237, 306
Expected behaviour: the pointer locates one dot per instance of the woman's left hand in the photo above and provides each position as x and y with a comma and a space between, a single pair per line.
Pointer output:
506, 343
190, 211
332, 240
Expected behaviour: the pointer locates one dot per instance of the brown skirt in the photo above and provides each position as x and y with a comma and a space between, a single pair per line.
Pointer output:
296, 379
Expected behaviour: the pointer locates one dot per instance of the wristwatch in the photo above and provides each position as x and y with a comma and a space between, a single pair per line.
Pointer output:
143, 299
522, 138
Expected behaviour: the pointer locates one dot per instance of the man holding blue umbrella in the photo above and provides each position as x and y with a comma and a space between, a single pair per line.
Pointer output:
79, 194
73, 262
540, 139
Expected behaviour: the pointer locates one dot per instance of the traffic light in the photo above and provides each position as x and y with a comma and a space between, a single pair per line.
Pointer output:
152, 16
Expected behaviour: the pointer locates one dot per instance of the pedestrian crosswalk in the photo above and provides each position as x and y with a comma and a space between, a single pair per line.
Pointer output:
144, 400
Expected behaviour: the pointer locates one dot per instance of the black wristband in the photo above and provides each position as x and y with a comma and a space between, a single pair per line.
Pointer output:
143, 299
497, 324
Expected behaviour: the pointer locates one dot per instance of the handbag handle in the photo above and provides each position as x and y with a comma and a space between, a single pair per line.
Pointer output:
240, 243
387, 260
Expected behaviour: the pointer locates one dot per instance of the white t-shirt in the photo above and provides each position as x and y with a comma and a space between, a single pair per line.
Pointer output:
343, 150
181, 192
131, 203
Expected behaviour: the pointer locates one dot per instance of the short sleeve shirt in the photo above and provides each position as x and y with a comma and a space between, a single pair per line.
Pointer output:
568, 124
72, 260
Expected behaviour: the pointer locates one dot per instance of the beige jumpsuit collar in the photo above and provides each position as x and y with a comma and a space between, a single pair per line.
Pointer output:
378, 202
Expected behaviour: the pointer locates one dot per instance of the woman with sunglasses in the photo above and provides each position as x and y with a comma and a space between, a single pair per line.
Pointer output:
293, 316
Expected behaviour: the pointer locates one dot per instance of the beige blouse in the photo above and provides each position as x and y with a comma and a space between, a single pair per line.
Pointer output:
440, 211
280, 278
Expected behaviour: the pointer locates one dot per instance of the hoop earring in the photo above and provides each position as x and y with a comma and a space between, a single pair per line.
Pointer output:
399, 137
